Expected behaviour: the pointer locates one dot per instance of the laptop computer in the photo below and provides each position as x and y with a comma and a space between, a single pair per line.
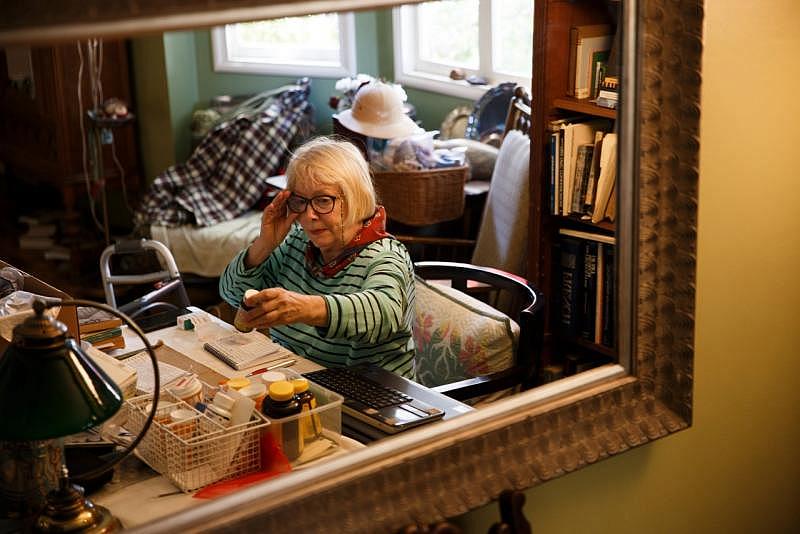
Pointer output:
378, 402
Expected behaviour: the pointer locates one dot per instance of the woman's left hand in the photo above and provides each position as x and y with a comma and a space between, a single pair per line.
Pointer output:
276, 306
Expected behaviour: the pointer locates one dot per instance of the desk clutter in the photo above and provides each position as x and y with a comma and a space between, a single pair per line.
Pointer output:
267, 423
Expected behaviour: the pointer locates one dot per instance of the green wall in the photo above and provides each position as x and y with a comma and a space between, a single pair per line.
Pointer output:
737, 469
152, 106
181, 64
182, 83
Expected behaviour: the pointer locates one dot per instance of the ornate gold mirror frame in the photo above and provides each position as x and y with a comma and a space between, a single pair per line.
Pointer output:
458, 465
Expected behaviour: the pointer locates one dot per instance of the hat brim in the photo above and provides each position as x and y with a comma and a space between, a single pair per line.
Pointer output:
400, 128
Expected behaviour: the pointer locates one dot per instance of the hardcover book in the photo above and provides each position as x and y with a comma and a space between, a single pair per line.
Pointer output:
585, 40
588, 290
594, 171
92, 320
575, 135
586, 285
608, 322
570, 272
608, 175
583, 167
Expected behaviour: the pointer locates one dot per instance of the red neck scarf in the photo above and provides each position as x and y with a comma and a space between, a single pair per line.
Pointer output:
373, 229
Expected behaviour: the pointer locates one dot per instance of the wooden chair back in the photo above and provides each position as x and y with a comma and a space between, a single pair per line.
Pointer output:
519, 112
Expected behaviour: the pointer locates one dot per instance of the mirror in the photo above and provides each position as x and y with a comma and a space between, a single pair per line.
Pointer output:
536, 436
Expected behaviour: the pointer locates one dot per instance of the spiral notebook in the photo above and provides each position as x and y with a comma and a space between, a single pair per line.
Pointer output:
243, 350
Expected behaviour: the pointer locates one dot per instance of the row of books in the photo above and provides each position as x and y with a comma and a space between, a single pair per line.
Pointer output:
586, 286
590, 49
583, 168
100, 328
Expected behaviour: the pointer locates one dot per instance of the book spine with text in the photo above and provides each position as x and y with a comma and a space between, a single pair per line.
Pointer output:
588, 290
609, 309
583, 165
570, 269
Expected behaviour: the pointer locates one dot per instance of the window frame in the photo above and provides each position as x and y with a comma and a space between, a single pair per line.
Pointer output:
411, 71
347, 56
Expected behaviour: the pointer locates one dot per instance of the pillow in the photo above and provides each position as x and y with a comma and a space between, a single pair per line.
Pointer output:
458, 336
480, 156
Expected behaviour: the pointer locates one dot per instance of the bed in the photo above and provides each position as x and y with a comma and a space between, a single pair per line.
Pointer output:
207, 250
208, 208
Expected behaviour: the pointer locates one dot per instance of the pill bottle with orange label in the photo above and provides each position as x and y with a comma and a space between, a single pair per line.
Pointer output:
238, 320
237, 383
183, 422
188, 389
256, 391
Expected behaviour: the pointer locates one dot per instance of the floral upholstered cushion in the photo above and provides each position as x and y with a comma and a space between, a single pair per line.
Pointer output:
458, 336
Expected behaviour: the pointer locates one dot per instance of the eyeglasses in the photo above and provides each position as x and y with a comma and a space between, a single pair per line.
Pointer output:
322, 204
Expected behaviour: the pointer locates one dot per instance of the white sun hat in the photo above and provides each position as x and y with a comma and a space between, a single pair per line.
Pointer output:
378, 112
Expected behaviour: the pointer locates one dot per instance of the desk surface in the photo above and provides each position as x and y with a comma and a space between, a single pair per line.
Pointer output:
190, 344
137, 494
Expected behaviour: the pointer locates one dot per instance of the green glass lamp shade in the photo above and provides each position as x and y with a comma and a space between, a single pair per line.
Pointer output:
48, 386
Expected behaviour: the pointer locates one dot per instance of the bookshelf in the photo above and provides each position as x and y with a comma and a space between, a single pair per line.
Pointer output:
42, 143
585, 106
553, 21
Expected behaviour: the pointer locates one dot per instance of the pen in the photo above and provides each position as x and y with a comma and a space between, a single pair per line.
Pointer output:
286, 363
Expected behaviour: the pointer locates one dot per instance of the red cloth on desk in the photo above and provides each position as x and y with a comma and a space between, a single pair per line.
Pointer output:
273, 463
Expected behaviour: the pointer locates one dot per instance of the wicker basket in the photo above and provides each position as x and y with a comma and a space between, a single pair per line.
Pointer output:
419, 198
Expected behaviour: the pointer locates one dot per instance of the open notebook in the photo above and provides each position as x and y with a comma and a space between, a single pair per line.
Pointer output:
243, 350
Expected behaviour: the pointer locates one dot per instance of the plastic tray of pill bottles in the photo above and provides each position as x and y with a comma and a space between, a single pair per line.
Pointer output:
191, 449
310, 434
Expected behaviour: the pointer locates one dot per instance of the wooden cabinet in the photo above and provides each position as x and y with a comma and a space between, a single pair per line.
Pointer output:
553, 20
41, 140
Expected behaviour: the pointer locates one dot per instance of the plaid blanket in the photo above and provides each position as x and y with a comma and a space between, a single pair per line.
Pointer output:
225, 175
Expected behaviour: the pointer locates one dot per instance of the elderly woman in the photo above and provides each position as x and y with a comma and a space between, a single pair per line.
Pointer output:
335, 288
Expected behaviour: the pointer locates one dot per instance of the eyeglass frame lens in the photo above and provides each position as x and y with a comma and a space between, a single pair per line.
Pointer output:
313, 201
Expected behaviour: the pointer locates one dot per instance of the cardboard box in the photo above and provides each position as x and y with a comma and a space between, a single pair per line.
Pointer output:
67, 315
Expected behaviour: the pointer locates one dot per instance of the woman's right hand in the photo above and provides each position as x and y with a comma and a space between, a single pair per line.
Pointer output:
276, 220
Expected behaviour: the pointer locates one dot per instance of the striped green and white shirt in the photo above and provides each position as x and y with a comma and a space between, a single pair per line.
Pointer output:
370, 303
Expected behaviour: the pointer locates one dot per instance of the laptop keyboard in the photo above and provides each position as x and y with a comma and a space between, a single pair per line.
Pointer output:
352, 385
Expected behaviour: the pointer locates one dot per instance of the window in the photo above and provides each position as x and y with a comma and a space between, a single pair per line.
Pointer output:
313, 45
489, 38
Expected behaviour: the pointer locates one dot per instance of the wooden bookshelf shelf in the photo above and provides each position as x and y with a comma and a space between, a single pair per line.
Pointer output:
577, 223
551, 251
584, 106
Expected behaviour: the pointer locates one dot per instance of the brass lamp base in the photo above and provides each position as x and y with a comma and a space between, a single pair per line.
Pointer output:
67, 510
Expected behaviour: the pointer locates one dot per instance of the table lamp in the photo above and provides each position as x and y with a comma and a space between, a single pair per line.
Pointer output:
50, 388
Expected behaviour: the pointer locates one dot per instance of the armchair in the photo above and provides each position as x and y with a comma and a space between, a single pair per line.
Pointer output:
467, 345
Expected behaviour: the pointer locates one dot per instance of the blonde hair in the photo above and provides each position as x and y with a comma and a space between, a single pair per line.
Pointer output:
325, 161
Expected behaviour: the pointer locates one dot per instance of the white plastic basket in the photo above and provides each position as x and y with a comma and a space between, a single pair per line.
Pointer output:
197, 451
321, 427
